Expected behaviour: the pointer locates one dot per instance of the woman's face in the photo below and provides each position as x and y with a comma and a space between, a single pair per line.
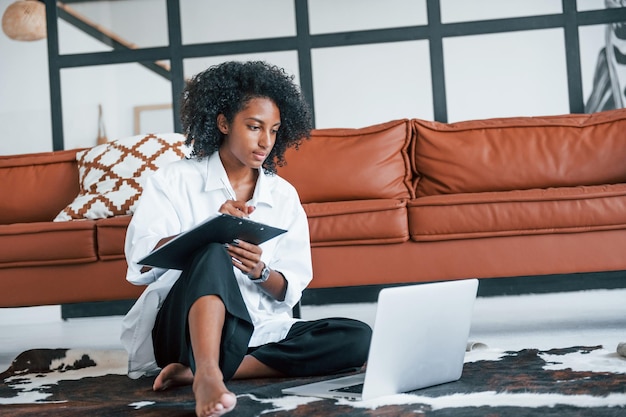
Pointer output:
250, 137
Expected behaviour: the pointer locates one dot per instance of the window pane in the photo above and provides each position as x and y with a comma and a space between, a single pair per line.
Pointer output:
329, 16
84, 25
582, 5
216, 21
467, 11
358, 86
287, 60
24, 97
508, 74
119, 89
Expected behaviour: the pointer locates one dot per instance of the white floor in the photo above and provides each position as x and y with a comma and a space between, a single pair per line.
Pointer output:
589, 318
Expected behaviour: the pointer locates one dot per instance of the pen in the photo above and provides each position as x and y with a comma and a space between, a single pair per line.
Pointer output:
229, 194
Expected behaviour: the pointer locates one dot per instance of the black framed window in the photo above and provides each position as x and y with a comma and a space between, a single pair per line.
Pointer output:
358, 62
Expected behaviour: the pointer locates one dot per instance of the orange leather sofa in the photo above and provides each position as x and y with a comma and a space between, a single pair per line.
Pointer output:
400, 202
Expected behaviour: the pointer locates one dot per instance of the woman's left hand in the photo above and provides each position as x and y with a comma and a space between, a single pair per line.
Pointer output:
246, 257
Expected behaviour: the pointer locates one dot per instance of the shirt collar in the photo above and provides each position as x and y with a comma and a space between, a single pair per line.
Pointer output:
216, 179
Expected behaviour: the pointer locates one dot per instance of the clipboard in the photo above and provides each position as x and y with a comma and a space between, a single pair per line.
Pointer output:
222, 228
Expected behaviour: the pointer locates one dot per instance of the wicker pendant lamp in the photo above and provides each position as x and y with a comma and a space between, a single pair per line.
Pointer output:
25, 20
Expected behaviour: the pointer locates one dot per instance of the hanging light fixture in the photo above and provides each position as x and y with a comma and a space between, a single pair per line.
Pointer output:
25, 20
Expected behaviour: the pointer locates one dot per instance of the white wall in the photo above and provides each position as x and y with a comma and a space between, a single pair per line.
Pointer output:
24, 98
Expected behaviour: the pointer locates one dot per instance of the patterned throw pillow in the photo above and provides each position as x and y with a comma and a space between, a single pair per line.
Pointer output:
112, 175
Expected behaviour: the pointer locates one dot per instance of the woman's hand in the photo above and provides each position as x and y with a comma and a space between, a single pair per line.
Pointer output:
246, 257
236, 208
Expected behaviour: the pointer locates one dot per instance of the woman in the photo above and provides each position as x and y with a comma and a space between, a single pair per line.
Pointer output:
227, 315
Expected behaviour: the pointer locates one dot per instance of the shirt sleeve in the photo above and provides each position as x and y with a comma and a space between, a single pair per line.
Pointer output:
154, 219
292, 256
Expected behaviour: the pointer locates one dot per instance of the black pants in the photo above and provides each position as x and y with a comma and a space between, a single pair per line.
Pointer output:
311, 347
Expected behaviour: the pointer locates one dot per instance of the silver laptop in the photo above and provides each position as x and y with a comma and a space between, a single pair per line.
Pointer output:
419, 340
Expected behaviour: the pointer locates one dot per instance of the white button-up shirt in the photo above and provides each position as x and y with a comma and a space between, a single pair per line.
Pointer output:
183, 194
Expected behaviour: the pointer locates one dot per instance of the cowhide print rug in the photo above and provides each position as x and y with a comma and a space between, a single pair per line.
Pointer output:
574, 381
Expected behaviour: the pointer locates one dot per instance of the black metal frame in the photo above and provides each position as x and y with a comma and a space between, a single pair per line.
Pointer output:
435, 31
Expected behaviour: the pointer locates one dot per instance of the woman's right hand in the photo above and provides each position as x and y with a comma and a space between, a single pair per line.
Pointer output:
236, 208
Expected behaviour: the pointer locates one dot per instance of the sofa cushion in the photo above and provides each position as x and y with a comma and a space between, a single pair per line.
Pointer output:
47, 243
362, 222
520, 212
352, 164
34, 187
111, 235
519, 153
112, 174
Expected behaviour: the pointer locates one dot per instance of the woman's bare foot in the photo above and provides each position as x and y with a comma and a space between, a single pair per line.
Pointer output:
212, 397
173, 375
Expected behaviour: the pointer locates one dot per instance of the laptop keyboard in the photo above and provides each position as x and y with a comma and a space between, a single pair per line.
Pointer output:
355, 389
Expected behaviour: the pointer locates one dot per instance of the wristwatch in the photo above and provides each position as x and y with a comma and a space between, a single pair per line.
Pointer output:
265, 275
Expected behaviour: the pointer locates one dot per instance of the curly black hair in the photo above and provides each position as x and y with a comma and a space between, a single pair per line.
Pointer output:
226, 89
